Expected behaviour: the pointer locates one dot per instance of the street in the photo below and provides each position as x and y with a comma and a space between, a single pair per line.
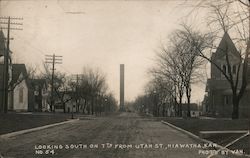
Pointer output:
124, 135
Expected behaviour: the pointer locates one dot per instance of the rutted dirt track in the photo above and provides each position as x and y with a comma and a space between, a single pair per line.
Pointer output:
125, 129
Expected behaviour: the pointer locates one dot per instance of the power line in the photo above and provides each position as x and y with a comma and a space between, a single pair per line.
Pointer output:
53, 59
8, 21
39, 51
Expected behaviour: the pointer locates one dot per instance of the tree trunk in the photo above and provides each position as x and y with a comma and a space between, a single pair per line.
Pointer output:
155, 106
180, 106
188, 107
188, 101
188, 104
78, 107
163, 110
84, 106
64, 108
51, 108
92, 106
158, 110
175, 106
88, 109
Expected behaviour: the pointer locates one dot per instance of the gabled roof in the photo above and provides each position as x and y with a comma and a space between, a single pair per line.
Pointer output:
17, 69
226, 45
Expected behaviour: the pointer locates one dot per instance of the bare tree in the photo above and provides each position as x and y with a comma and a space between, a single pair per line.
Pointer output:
61, 87
168, 69
179, 62
159, 97
189, 64
94, 86
229, 16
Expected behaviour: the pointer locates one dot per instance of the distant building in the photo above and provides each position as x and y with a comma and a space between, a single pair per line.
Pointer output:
66, 102
195, 110
218, 100
39, 95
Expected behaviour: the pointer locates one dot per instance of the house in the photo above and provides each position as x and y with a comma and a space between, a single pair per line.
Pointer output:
18, 87
218, 100
195, 111
64, 101
38, 98
20, 96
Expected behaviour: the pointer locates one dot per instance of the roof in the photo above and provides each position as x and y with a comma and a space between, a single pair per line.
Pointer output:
17, 69
38, 82
226, 44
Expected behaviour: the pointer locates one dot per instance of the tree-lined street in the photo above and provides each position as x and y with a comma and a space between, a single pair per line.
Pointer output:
182, 62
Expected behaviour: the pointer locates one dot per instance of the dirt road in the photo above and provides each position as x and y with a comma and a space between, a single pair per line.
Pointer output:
126, 135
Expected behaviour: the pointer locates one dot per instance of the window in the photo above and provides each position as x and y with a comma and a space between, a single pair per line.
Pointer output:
21, 95
227, 99
224, 68
229, 69
234, 69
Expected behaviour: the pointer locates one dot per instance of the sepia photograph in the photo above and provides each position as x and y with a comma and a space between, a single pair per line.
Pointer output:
124, 78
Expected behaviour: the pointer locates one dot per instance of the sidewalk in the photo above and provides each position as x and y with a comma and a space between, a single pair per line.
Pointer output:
13, 122
13, 134
232, 143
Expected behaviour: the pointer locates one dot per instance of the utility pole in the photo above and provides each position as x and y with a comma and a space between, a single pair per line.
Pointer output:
53, 59
76, 95
7, 56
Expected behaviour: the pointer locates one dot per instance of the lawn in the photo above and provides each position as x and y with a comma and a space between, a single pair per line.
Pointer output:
196, 125
12, 122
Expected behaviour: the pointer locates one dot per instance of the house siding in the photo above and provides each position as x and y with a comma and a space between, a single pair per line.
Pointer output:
244, 107
17, 105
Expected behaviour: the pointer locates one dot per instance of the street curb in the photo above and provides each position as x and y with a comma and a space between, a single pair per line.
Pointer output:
188, 133
198, 138
12, 134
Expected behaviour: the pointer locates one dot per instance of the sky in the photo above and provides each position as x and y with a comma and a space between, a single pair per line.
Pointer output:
99, 34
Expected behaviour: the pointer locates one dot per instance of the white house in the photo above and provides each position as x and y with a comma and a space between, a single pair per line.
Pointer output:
20, 95
18, 100
18, 87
